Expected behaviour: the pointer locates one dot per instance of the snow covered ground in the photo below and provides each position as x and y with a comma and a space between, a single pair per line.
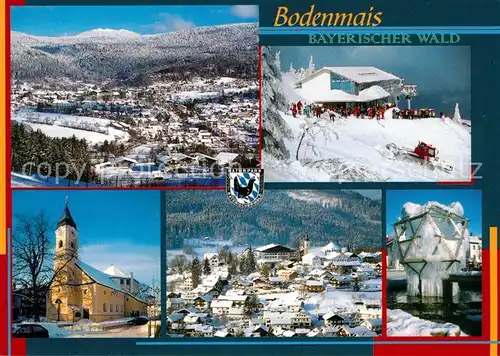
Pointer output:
19, 180
400, 323
358, 145
94, 130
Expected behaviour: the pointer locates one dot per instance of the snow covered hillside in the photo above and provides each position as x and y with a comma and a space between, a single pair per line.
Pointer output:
356, 151
121, 54
352, 149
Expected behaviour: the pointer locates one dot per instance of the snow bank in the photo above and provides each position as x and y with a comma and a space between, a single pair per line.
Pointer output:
400, 323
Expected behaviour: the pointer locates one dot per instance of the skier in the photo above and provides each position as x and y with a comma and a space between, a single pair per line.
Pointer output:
299, 107
382, 112
318, 112
294, 110
332, 114
307, 110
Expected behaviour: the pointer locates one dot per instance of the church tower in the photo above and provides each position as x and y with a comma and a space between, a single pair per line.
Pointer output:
66, 235
64, 298
305, 245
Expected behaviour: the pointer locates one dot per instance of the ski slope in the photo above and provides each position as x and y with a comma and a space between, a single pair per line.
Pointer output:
353, 150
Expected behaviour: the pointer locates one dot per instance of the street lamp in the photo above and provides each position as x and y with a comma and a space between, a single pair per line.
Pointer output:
58, 302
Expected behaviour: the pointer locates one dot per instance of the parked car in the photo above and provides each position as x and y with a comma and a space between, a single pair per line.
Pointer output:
31, 331
139, 320
38, 330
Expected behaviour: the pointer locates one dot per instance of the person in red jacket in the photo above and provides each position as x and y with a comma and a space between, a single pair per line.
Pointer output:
294, 110
382, 112
299, 107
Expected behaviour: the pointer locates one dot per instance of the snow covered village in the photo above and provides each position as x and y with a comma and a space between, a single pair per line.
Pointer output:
309, 285
355, 123
177, 121
434, 263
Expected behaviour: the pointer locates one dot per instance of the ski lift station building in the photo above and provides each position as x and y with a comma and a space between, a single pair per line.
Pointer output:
349, 86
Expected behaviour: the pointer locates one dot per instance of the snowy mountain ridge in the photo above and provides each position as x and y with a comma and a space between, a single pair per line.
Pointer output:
102, 54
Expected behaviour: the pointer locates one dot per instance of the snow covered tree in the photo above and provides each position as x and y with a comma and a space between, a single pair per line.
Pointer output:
291, 70
274, 128
311, 64
277, 60
265, 270
456, 115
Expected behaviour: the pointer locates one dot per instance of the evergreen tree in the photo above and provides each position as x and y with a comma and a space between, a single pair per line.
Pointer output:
265, 270
456, 115
233, 267
250, 305
196, 272
206, 266
243, 264
251, 264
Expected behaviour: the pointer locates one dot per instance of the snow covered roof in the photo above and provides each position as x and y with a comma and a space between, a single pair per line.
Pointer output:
338, 96
115, 272
309, 257
356, 74
273, 248
210, 255
98, 276
226, 157
331, 247
217, 303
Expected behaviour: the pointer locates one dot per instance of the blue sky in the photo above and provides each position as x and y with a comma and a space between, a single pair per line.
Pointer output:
442, 73
115, 227
469, 198
70, 20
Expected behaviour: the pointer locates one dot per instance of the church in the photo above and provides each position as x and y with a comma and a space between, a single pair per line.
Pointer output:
82, 291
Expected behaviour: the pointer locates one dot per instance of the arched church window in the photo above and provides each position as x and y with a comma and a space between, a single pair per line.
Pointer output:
104, 307
72, 244
60, 243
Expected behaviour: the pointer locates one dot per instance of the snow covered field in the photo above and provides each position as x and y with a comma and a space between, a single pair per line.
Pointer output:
401, 323
25, 181
359, 145
94, 130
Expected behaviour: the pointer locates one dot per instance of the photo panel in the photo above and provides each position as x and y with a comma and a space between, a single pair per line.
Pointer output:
301, 263
169, 99
366, 113
434, 263
83, 267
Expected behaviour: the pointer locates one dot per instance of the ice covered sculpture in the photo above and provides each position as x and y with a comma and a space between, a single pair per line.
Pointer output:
432, 242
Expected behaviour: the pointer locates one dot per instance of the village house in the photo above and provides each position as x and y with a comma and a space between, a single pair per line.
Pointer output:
313, 286
374, 325
202, 302
273, 254
311, 259
288, 275
213, 259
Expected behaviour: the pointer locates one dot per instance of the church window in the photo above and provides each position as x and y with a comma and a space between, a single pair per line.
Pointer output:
121, 281
111, 308
72, 244
104, 292
128, 282
104, 307
127, 299
60, 243
85, 291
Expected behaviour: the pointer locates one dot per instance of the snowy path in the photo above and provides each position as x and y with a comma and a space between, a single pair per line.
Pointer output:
360, 143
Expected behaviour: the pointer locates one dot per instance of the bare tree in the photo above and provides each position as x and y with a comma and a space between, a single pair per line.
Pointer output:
35, 265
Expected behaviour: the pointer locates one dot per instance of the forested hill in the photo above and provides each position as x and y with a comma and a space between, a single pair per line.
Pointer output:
286, 217
119, 55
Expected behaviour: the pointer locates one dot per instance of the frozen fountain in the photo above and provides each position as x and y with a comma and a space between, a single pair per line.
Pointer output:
432, 241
